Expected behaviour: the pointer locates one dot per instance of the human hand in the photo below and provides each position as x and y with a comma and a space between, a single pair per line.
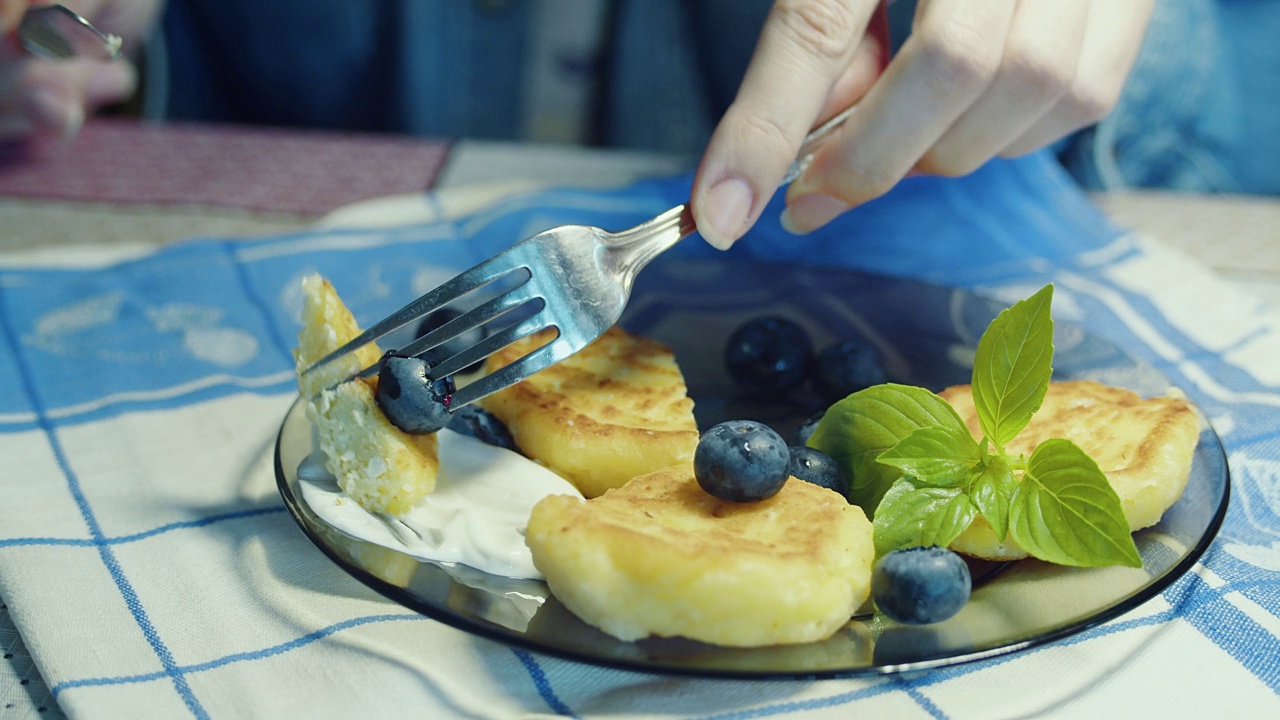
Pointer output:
47, 96
973, 81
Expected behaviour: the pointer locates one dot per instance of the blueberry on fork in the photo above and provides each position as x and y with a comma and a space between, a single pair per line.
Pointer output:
410, 398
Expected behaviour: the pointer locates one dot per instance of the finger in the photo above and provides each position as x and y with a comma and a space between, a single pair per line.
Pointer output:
38, 96
869, 60
1112, 38
805, 47
1037, 68
11, 12
41, 96
131, 21
948, 61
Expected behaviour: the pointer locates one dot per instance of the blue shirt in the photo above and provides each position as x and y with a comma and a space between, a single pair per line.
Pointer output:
1201, 110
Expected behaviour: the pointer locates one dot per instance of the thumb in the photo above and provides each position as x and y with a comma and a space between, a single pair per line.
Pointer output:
56, 97
11, 12
805, 48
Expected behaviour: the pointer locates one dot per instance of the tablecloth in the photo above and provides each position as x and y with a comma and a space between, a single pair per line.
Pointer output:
151, 568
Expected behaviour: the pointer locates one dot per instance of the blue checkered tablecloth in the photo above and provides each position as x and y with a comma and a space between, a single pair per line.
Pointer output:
152, 570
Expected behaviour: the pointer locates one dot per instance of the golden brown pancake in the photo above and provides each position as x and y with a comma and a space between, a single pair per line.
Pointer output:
660, 556
376, 464
614, 410
1143, 446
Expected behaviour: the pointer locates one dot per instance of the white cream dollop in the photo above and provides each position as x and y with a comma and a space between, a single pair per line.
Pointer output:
475, 517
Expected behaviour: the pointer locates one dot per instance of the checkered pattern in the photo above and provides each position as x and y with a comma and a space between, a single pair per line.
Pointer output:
151, 567
255, 168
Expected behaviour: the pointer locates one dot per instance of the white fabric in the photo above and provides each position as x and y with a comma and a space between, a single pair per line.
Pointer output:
152, 570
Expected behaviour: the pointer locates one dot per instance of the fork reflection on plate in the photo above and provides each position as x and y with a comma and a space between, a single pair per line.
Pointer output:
400, 529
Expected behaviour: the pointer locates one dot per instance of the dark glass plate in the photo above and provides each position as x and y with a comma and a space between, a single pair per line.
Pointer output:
927, 335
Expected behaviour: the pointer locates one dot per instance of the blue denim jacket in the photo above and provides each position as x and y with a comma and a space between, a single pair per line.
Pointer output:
1201, 110
664, 70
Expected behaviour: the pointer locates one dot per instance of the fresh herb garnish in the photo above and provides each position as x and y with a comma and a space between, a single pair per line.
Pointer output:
917, 469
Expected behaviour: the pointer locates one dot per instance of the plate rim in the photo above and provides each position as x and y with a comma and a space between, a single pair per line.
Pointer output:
1119, 606
505, 635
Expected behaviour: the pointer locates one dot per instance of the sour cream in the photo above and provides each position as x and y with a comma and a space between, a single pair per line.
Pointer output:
475, 517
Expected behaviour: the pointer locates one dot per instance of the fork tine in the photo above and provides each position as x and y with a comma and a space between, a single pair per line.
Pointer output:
487, 271
490, 345
475, 317
479, 351
545, 356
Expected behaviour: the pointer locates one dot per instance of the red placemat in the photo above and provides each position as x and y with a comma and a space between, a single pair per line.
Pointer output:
267, 169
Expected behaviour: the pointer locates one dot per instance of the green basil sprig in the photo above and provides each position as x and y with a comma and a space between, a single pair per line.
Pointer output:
916, 468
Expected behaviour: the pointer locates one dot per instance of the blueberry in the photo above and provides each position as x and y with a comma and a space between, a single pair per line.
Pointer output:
482, 425
452, 347
410, 399
844, 368
818, 468
920, 585
741, 461
805, 431
769, 355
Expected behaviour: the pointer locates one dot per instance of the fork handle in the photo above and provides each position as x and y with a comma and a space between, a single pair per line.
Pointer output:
637, 246
812, 142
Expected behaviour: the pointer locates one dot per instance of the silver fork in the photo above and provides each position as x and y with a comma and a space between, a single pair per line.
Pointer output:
580, 276
55, 32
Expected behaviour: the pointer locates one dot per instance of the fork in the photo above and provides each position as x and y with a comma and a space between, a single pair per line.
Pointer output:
55, 32
574, 278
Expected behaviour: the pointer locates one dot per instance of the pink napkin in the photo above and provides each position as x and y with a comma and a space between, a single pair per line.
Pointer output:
303, 172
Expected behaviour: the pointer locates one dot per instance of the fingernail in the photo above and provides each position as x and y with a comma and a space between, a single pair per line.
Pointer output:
75, 121
810, 212
56, 112
727, 205
111, 82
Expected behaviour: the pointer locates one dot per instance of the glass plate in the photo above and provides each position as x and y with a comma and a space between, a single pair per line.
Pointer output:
927, 336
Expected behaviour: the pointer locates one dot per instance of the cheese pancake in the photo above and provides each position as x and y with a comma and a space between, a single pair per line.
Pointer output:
660, 556
1144, 447
616, 409
376, 464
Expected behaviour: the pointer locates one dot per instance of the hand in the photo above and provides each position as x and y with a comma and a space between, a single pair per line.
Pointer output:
45, 96
975, 80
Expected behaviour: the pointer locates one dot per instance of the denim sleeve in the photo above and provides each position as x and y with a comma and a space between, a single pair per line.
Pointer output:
429, 67
1201, 109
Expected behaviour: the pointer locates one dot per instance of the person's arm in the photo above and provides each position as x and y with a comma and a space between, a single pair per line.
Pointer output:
974, 80
44, 96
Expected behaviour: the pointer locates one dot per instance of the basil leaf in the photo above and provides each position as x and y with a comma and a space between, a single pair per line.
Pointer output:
1064, 510
911, 516
855, 430
992, 491
938, 456
1012, 366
